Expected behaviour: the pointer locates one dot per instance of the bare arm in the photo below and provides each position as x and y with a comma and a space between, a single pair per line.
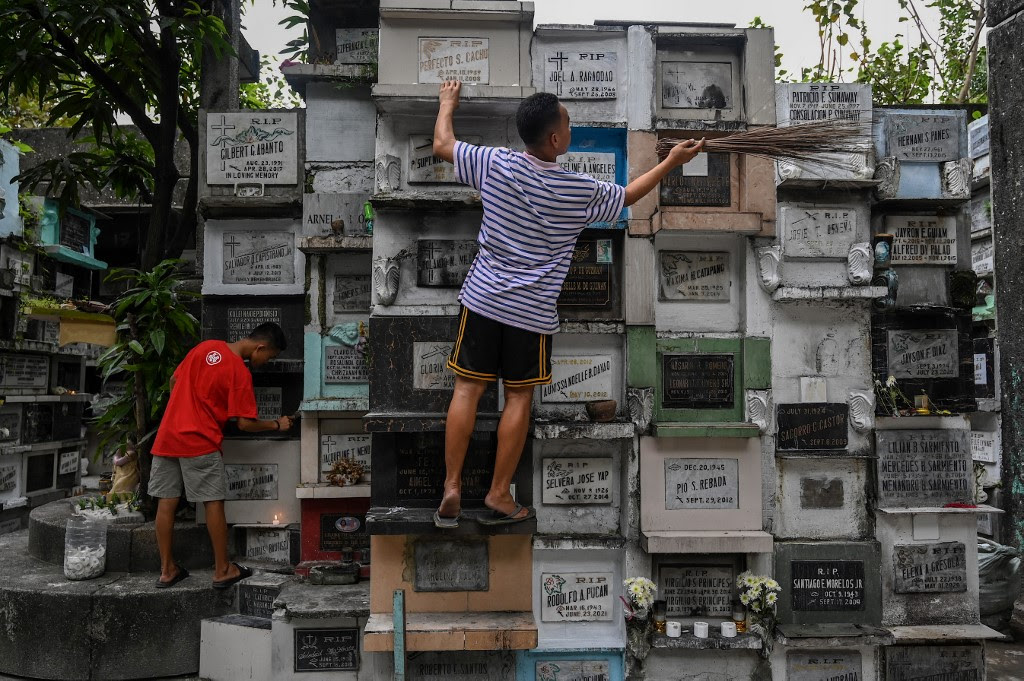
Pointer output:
257, 426
444, 129
680, 154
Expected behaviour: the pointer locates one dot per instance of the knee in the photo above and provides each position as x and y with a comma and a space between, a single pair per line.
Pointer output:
468, 389
521, 396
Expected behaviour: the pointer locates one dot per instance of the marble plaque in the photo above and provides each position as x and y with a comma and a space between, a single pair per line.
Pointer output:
465, 59
333, 214
823, 665
345, 446
344, 364
934, 663
268, 402
10, 423
828, 585
252, 146
818, 232
257, 600
430, 366
578, 481
577, 596
444, 263
713, 188
922, 240
451, 564
985, 367
356, 46
923, 138
259, 257
24, 371
985, 524
701, 483
978, 137
64, 286
927, 353
268, 544
694, 381
982, 257
692, 275
588, 283
572, 670
930, 568
821, 492
981, 212
351, 293
697, 590
924, 468
573, 74
579, 378
319, 650
696, 85
599, 165
807, 102
983, 446
68, 462
424, 167
9, 477
812, 426
251, 482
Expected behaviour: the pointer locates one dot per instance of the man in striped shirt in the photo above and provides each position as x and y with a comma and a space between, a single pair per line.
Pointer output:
533, 213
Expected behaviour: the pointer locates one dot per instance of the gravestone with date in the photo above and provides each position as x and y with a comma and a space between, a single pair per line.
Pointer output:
828, 582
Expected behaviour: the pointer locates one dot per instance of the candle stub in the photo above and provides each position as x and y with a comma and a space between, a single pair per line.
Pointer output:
700, 629
674, 629
728, 629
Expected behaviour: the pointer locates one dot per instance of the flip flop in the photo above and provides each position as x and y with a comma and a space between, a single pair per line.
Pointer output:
182, 574
243, 573
446, 523
499, 518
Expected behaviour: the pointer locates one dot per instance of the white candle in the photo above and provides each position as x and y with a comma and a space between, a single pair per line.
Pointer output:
276, 521
700, 629
673, 629
728, 630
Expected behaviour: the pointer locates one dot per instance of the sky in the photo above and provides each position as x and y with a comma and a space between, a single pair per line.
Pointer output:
795, 30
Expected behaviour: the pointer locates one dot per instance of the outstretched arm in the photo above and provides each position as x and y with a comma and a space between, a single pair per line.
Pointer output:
680, 154
444, 130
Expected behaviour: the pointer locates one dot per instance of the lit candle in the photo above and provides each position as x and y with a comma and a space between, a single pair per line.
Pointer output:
276, 521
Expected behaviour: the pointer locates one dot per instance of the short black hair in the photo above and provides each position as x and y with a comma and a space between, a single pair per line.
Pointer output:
271, 334
537, 114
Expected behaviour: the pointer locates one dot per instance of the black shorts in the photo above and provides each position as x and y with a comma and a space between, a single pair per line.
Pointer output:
486, 350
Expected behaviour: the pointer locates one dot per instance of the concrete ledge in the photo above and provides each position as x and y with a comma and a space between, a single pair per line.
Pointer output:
403, 521
427, 199
738, 541
705, 430
335, 244
831, 635
945, 632
583, 430
453, 631
795, 294
235, 647
326, 490
301, 600
92, 623
918, 510
714, 641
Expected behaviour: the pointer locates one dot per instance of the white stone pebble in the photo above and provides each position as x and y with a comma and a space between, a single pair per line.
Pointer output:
83, 562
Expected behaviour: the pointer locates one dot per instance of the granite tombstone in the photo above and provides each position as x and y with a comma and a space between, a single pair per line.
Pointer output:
924, 468
707, 184
922, 239
581, 75
698, 381
811, 426
694, 276
929, 663
444, 565
697, 590
231, 318
579, 378
318, 650
444, 263
824, 665
24, 371
257, 600
923, 138
930, 568
590, 281
924, 353
464, 59
344, 364
701, 484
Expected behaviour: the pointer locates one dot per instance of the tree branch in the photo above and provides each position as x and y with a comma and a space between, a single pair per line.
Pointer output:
972, 62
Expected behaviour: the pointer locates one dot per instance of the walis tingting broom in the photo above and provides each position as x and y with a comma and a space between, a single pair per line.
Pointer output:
826, 143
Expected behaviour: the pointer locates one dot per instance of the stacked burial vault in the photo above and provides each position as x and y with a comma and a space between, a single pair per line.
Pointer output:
736, 316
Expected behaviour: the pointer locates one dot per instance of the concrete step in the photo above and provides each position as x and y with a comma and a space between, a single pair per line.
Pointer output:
235, 647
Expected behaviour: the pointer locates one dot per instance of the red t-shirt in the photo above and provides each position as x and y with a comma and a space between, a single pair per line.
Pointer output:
212, 384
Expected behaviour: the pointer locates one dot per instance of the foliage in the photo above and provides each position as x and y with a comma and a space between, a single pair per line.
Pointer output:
111, 504
89, 64
297, 48
154, 332
20, 146
270, 92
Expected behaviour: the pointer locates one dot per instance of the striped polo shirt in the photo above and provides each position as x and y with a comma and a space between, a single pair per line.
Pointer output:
533, 213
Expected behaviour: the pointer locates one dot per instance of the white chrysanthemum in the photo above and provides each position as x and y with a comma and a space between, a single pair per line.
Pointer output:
773, 585
749, 580
744, 599
890, 382
771, 598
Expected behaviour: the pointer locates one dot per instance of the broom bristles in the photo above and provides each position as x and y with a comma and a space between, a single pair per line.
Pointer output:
826, 143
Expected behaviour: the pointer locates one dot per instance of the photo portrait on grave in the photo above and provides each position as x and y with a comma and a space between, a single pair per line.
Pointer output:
534, 212
210, 387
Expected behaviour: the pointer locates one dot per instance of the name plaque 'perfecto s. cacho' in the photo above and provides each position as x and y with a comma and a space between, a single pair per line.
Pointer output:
577, 74
701, 483
464, 59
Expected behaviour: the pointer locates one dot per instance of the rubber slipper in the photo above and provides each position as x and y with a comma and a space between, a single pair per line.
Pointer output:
444, 522
182, 574
243, 573
499, 518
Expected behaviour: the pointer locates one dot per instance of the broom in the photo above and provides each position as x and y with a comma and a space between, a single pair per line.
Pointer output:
821, 142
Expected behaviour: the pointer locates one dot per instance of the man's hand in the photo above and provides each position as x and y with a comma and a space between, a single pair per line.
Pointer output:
450, 90
284, 423
684, 152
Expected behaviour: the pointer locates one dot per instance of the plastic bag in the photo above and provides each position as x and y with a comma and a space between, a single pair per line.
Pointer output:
999, 577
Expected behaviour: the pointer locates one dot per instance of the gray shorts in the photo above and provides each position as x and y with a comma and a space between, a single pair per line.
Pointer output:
201, 476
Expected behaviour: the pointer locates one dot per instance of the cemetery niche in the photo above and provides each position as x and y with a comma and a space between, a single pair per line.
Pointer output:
252, 147
246, 257
231, 318
828, 582
922, 154
812, 427
593, 285
929, 468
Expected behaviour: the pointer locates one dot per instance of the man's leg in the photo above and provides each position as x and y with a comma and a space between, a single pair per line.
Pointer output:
165, 511
457, 431
512, 430
217, 526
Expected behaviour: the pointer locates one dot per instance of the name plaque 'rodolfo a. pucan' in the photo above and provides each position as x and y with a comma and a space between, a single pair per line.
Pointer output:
577, 597
812, 426
319, 650
924, 468
930, 568
696, 381
828, 585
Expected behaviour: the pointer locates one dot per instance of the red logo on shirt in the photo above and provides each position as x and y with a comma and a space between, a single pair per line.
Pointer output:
213, 358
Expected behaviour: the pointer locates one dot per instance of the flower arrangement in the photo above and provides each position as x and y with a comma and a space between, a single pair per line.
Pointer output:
639, 625
757, 592
641, 596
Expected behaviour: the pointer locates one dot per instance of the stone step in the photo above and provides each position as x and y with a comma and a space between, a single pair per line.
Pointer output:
420, 521
234, 647
453, 631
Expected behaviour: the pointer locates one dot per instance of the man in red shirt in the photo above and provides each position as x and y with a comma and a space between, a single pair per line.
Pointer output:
211, 386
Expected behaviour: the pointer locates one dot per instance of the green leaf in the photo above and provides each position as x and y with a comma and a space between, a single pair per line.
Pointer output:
157, 337
137, 347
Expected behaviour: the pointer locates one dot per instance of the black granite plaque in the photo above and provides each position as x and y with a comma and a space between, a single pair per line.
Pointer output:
257, 600
444, 263
589, 281
682, 187
67, 420
828, 585
420, 460
230, 318
451, 564
821, 492
75, 232
985, 367
37, 425
934, 663
812, 426
930, 568
40, 471
343, 532
693, 381
318, 650
344, 364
